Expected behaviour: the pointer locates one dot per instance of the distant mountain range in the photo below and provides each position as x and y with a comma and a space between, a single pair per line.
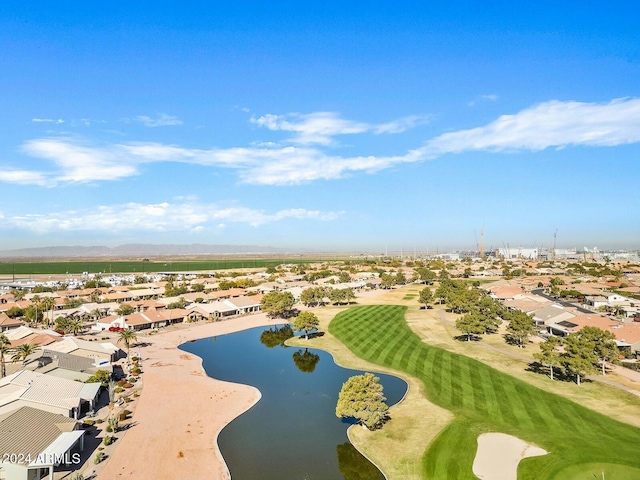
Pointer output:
137, 250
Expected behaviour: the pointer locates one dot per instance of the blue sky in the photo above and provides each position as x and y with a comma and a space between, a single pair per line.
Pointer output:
320, 125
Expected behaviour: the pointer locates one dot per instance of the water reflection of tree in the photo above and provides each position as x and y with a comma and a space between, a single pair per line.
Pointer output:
306, 361
276, 336
354, 466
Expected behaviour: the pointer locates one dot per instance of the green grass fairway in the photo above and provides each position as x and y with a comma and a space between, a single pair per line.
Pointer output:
486, 400
594, 471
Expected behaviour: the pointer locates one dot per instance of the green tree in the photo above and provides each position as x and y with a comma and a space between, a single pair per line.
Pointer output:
33, 314
549, 354
47, 304
125, 309
314, 296
23, 351
426, 275
277, 304
388, 280
362, 398
579, 355
127, 336
75, 326
520, 327
101, 376
4, 350
471, 324
604, 345
181, 303
344, 277
15, 312
349, 295
425, 297
306, 321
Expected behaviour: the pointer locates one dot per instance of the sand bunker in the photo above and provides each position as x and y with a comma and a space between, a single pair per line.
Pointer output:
499, 454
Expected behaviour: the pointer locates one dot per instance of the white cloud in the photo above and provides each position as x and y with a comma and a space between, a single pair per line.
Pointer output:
321, 127
160, 217
162, 120
47, 120
79, 163
23, 177
550, 124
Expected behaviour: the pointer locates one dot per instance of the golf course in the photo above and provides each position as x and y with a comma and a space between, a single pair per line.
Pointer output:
581, 442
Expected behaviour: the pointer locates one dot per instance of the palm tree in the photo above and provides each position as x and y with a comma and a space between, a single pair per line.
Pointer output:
23, 351
128, 337
47, 303
4, 350
75, 326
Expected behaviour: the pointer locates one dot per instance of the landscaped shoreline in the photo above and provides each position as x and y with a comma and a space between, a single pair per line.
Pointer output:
181, 410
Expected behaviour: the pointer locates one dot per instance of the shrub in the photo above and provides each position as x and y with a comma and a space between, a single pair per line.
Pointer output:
126, 412
127, 400
109, 429
99, 420
88, 422
119, 390
108, 440
98, 458
632, 365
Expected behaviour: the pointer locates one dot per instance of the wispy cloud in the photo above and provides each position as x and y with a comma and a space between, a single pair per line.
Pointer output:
550, 124
78, 163
162, 120
47, 120
23, 177
546, 125
320, 127
160, 217
483, 98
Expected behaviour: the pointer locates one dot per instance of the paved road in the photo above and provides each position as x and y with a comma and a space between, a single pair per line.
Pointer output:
564, 303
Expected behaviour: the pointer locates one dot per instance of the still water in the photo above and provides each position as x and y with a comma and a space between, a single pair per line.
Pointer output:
292, 433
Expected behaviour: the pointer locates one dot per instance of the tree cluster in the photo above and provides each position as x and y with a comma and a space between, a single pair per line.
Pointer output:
389, 280
520, 328
278, 304
481, 313
72, 326
580, 353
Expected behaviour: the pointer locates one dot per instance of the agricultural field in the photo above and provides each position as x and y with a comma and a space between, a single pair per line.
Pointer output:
580, 442
140, 266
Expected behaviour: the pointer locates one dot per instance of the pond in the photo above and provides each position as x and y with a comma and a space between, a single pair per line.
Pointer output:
292, 433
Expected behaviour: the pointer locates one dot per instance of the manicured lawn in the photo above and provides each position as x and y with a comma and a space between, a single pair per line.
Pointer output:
484, 400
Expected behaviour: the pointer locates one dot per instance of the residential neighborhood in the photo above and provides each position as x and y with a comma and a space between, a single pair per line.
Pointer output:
66, 353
